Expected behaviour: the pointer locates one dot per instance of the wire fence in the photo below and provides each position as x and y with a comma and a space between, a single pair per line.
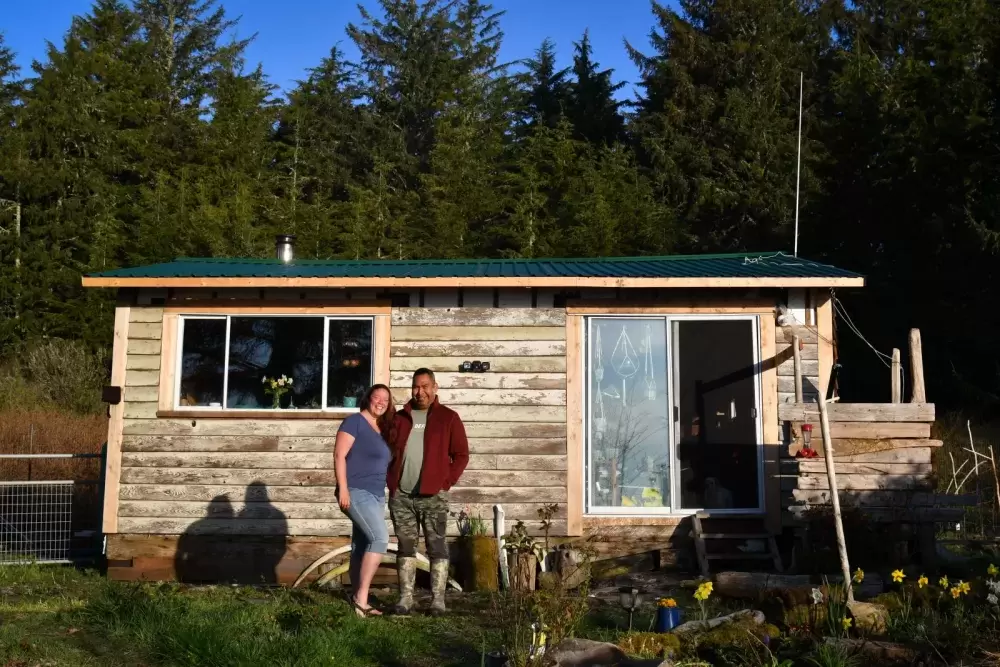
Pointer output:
37, 516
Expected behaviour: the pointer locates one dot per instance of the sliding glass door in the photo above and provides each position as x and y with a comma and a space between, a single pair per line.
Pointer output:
671, 417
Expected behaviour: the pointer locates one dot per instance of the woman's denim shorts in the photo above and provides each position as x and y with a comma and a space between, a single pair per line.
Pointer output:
367, 513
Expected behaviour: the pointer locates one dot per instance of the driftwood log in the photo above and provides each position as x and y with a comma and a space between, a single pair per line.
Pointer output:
750, 585
746, 614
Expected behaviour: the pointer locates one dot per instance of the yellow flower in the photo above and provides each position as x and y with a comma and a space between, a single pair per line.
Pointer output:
992, 570
922, 581
964, 587
703, 592
943, 582
859, 575
668, 602
846, 622
898, 576
955, 592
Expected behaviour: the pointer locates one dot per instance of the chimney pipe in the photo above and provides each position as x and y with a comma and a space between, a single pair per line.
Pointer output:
284, 246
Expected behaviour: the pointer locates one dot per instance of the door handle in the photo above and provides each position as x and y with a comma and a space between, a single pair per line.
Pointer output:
732, 409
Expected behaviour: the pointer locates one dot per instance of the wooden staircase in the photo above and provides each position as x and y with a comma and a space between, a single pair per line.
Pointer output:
733, 539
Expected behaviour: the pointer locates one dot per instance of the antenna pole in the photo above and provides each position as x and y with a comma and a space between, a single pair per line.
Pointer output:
798, 169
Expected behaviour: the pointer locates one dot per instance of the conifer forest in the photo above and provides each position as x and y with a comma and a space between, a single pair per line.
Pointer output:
145, 134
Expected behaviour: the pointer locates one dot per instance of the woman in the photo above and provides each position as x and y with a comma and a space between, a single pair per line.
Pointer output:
361, 458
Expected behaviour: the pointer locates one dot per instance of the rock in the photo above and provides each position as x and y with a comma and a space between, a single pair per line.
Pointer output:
869, 617
585, 653
879, 652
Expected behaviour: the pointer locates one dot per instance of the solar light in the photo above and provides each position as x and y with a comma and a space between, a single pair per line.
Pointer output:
629, 598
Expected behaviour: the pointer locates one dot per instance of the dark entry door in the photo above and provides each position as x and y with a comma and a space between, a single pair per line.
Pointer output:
715, 396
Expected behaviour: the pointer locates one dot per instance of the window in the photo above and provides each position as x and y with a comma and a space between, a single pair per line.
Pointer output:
227, 362
671, 420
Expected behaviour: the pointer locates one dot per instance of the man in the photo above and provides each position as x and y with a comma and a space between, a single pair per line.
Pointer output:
429, 454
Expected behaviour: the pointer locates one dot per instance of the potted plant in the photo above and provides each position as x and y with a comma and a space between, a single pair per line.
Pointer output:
276, 387
481, 553
525, 554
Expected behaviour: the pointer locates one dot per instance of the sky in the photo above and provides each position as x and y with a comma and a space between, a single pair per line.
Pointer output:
295, 38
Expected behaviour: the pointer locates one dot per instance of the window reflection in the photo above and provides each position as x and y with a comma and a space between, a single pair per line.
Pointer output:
349, 372
203, 359
628, 429
270, 347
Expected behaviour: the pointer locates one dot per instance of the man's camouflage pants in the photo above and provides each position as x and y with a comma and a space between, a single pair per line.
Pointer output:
412, 513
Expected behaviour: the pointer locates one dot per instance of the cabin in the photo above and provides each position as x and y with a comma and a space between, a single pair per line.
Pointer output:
631, 396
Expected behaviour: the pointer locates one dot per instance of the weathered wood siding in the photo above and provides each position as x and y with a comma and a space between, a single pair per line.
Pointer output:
264, 477
809, 354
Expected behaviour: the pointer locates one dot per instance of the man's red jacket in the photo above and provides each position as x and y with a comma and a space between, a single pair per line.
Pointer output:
446, 449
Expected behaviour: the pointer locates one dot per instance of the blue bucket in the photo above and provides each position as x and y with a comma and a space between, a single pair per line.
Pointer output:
667, 618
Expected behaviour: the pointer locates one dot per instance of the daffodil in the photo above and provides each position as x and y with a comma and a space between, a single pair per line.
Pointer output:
846, 622
964, 587
955, 592
992, 570
922, 581
817, 596
898, 576
992, 599
943, 582
859, 576
703, 592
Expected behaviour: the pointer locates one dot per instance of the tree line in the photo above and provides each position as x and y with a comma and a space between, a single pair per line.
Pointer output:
145, 135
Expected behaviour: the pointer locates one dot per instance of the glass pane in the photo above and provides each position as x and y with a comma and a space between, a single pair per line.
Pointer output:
628, 429
269, 347
717, 402
203, 361
350, 362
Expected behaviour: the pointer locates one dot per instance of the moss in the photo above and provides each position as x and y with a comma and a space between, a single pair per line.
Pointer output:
649, 644
743, 634
891, 601
806, 616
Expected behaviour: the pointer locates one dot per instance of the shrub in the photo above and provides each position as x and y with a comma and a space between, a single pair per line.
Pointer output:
67, 375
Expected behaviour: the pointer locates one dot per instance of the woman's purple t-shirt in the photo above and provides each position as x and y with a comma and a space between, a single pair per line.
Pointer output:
368, 459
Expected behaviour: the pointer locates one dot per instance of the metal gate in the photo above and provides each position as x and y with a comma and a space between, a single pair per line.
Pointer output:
37, 519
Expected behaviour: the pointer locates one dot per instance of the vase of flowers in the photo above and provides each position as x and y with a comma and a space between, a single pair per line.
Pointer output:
481, 553
668, 615
277, 387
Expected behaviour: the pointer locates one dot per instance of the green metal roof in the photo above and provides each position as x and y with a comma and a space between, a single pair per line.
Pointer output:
737, 265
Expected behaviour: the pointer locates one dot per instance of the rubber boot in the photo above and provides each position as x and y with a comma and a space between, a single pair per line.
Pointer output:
407, 571
439, 584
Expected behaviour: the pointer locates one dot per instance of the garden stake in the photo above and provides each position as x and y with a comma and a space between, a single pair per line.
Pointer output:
831, 475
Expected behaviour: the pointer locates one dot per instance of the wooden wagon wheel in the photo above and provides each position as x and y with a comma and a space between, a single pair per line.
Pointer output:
422, 563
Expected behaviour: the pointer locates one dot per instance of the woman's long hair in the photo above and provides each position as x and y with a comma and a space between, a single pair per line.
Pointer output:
387, 422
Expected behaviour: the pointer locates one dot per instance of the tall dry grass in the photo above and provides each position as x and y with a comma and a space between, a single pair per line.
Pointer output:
983, 519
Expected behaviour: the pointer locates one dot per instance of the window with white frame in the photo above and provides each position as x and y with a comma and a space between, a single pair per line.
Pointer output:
671, 418
244, 362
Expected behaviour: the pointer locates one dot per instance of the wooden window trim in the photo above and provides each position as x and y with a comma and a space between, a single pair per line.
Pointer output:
381, 332
116, 423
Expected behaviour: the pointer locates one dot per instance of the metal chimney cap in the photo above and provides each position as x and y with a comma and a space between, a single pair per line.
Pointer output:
284, 246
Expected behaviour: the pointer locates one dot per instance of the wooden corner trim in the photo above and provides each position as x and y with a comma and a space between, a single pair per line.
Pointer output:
574, 425
116, 423
261, 307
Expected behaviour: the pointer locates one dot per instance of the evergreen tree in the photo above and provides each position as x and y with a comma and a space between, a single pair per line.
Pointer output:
11, 153
547, 90
593, 110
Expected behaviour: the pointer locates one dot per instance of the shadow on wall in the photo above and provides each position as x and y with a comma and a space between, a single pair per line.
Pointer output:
226, 546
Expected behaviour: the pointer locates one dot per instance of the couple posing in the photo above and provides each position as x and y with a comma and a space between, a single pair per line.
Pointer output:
418, 453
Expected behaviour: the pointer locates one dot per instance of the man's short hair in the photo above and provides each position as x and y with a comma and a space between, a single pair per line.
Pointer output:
424, 371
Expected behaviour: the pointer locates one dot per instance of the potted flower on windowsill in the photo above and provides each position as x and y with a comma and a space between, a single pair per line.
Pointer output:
480, 553
276, 388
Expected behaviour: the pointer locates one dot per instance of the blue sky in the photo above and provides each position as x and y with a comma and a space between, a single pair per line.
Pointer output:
293, 35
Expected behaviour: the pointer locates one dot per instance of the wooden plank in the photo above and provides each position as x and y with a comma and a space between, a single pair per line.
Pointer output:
797, 365
857, 482
481, 429
288, 303
519, 413
851, 447
173, 444
905, 455
530, 462
492, 396
810, 387
255, 460
403, 380
144, 394
319, 527
145, 330
816, 467
824, 329
486, 496
382, 342
860, 412
918, 392
140, 410
145, 315
236, 507
141, 378
113, 451
168, 366
808, 352
519, 446
475, 333
771, 430
513, 478
897, 376
143, 347
884, 498
784, 335
497, 364
574, 424
477, 349
879, 430
143, 362
490, 317
809, 368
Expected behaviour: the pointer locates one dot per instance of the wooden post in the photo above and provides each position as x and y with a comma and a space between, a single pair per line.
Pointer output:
897, 376
797, 361
918, 391
831, 475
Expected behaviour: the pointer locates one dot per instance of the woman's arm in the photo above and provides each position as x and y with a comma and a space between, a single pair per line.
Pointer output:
342, 445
